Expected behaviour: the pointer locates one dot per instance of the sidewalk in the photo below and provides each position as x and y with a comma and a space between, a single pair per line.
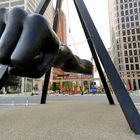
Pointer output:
66, 120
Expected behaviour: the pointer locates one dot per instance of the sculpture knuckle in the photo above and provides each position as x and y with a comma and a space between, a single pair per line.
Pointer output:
37, 19
2, 11
2, 14
16, 13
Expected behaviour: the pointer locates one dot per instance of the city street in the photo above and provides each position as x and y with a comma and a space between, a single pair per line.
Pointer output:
19, 100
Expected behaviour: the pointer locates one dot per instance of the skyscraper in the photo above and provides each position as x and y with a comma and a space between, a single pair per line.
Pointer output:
28, 5
125, 39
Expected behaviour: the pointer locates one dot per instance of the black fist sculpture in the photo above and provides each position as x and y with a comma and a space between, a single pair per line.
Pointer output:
30, 47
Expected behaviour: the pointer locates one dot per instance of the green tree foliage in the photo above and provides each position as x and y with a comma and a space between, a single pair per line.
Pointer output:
12, 82
36, 88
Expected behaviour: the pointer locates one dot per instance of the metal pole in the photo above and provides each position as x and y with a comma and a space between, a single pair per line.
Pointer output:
47, 76
99, 68
45, 87
3, 75
126, 103
42, 6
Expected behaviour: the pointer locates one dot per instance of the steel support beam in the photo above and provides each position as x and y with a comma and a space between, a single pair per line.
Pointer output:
3, 75
126, 103
45, 87
42, 6
41, 9
99, 68
47, 76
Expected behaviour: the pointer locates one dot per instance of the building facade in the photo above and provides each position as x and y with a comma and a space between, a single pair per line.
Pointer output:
28, 5
125, 40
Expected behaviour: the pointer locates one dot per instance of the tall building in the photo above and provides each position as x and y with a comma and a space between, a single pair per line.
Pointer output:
30, 6
125, 39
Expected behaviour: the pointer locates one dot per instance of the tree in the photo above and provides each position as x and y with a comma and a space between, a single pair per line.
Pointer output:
36, 88
12, 82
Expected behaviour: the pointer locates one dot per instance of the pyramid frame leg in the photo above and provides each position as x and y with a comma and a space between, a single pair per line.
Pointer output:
130, 112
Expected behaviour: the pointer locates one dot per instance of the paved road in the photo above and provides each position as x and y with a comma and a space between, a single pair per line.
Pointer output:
27, 99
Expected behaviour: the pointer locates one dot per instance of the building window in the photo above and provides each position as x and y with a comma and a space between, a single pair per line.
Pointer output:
125, 46
118, 54
122, 19
118, 20
123, 26
120, 68
136, 17
136, 59
135, 4
123, 32
131, 59
137, 66
129, 46
134, 45
138, 37
136, 11
126, 12
138, 30
126, 60
125, 53
132, 67
132, 18
137, 23
126, 6
119, 61
127, 19
128, 32
122, 13
133, 38
122, 7
129, 38
118, 47
127, 25
138, 44
135, 52
132, 24
130, 52
133, 31
124, 39
131, 11
127, 67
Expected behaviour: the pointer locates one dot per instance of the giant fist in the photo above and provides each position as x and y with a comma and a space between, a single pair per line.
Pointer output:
30, 47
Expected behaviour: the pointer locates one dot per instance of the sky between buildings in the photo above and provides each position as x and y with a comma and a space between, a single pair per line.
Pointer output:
98, 10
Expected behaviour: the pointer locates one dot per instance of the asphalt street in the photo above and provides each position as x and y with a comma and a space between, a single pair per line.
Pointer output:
8, 101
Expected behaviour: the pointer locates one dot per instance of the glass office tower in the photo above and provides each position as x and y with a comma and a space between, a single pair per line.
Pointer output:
125, 39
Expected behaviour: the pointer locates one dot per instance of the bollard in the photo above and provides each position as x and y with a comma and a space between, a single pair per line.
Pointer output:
27, 101
13, 101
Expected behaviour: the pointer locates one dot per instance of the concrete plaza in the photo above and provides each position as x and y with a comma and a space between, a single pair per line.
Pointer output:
66, 120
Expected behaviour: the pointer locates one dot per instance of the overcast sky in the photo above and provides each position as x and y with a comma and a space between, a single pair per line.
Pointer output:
98, 10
